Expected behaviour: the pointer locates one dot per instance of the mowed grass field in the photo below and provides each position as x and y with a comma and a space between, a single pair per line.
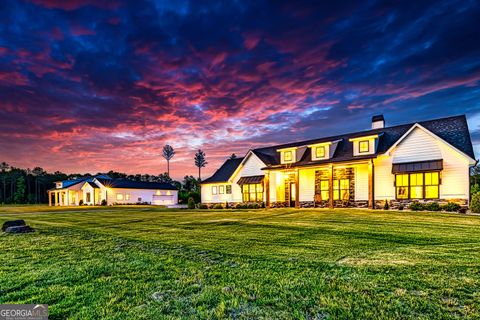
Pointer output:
151, 263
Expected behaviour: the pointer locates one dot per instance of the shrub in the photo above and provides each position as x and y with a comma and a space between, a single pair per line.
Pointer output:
416, 206
218, 206
202, 206
451, 207
104, 202
432, 206
386, 206
475, 203
191, 203
226, 205
80, 203
400, 207
240, 206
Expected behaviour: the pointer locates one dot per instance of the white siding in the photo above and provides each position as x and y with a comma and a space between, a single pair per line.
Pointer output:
208, 197
384, 179
417, 146
307, 184
136, 195
455, 175
361, 182
252, 167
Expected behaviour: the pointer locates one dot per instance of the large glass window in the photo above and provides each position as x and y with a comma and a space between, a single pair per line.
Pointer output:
423, 185
252, 192
221, 189
341, 189
119, 196
87, 197
214, 189
228, 189
401, 182
324, 189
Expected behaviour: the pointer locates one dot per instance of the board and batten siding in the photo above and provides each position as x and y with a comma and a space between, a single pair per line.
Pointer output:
361, 182
419, 145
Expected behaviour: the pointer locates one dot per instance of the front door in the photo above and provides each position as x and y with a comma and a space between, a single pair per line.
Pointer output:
293, 193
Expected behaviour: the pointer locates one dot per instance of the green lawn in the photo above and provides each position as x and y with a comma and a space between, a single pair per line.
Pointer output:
151, 263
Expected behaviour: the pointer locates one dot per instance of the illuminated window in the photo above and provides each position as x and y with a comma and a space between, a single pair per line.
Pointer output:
341, 189
417, 185
364, 146
287, 156
401, 182
221, 189
214, 190
252, 192
432, 182
228, 189
158, 193
87, 197
324, 189
119, 196
127, 196
320, 152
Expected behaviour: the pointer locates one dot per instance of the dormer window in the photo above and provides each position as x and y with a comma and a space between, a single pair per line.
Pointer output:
320, 152
364, 146
287, 156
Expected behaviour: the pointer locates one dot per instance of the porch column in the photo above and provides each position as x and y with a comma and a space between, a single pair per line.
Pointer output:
67, 200
267, 189
330, 189
56, 198
371, 185
49, 198
297, 190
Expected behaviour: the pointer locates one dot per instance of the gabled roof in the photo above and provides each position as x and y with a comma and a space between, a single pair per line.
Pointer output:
453, 130
93, 185
225, 171
73, 182
130, 184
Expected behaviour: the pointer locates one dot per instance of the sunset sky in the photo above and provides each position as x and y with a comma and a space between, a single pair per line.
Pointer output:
89, 86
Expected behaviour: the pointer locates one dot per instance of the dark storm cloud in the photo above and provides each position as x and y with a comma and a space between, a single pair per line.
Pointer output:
111, 82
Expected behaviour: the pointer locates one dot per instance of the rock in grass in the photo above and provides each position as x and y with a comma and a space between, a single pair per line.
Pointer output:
19, 229
12, 223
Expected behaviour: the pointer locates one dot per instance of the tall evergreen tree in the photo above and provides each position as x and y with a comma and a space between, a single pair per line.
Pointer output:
19, 196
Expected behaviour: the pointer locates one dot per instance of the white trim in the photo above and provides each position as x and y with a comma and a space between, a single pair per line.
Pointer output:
417, 125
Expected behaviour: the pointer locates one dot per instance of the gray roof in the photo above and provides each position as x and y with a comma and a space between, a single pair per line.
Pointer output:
225, 171
130, 184
453, 130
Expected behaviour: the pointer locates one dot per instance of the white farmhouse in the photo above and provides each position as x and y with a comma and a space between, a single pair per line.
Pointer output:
421, 161
101, 188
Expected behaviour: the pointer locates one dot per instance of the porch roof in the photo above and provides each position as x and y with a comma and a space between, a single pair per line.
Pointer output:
418, 166
250, 180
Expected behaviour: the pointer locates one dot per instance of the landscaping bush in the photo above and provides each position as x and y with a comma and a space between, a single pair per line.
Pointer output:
104, 202
432, 206
386, 206
400, 207
240, 206
475, 203
451, 207
80, 203
202, 206
218, 206
416, 206
226, 205
191, 203
255, 206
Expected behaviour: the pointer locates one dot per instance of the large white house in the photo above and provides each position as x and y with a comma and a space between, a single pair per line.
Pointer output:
101, 188
424, 161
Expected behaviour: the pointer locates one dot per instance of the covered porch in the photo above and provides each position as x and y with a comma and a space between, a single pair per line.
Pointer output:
62, 197
330, 185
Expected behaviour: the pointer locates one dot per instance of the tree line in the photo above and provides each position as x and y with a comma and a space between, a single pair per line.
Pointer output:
30, 186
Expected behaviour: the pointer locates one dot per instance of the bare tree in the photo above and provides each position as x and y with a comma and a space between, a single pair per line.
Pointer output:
168, 154
200, 161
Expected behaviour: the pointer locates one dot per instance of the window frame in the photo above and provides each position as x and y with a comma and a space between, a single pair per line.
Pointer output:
290, 154
250, 189
360, 146
339, 189
228, 189
214, 190
327, 190
121, 197
423, 185
324, 152
221, 189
